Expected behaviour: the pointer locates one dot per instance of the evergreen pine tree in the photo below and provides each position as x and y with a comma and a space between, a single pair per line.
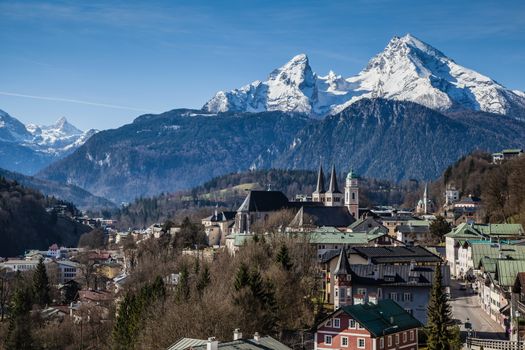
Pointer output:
182, 292
439, 317
41, 285
197, 267
204, 279
19, 331
158, 288
121, 330
131, 313
283, 258
242, 277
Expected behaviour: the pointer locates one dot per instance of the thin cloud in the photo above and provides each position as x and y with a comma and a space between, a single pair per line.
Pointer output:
69, 100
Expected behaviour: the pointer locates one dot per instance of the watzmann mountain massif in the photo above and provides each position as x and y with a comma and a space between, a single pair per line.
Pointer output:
410, 113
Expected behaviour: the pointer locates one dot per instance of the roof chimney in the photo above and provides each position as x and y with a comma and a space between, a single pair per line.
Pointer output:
256, 336
212, 344
237, 334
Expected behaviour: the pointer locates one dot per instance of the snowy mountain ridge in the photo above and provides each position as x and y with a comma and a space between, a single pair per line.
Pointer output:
42, 144
406, 70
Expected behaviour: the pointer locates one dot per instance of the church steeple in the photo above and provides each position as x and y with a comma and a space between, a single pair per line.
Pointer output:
320, 181
342, 277
343, 266
319, 193
425, 199
333, 197
333, 187
352, 194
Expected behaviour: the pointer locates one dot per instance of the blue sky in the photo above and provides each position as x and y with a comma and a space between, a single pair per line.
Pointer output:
127, 58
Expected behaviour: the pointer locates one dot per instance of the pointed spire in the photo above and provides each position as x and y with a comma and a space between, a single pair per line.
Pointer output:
425, 198
333, 188
343, 266
320, 181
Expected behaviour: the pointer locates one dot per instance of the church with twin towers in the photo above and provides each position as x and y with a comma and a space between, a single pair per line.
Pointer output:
333, 197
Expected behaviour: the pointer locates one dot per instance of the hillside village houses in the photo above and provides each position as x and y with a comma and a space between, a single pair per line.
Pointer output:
490, 257
506, 154
378, 262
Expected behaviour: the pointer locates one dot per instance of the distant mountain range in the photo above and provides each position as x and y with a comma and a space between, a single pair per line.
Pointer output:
406, 70
29, 148
182, 148
409, 114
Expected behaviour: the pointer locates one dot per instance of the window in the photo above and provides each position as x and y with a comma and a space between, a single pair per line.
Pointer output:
381, 343
407, 296
328, 339
359, 326
404, 337
361, 291
328, 323
409, 311
351, 324
397, 338
411, 335
393, 296
337, 323
344, 341
342, 293
389, 341
360, 343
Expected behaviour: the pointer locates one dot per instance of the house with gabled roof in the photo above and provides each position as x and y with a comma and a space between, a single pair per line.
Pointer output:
383, 325
409, 284
327, 239
494, 233
257, 342
495, 285
366, 224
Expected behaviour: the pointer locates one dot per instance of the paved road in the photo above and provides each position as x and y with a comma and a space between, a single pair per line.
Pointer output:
465, 304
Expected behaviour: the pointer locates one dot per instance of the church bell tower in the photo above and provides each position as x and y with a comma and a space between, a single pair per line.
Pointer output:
352, 194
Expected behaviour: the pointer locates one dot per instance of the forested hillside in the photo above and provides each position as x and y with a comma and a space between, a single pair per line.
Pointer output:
25, 222
500, 186
70, 193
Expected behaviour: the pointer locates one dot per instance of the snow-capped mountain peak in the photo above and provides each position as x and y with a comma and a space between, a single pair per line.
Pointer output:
11, 129
62, 128
408, 69
294, 87
412, 70
54, 140
289, 88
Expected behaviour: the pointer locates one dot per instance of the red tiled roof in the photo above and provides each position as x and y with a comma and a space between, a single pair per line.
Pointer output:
95, 295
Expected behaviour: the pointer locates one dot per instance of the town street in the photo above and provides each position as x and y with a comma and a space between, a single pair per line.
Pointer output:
465, 305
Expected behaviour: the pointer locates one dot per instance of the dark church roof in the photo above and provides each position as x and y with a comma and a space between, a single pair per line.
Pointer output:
222, 216
322, 216
264, 201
